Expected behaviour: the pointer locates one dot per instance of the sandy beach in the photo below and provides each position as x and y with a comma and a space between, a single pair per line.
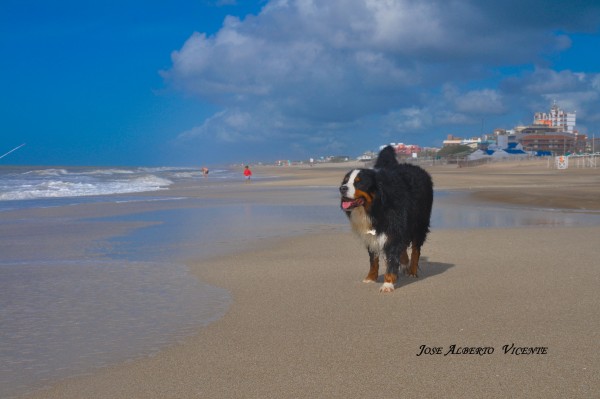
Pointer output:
504, 312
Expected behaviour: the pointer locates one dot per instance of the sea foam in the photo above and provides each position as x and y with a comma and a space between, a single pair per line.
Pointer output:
60, 183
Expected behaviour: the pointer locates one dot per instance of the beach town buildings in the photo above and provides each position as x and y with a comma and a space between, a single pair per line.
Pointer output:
407, 149
411, 151
551, 133
553, 140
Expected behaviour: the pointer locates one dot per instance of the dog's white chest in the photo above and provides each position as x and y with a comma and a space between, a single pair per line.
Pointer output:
362, 225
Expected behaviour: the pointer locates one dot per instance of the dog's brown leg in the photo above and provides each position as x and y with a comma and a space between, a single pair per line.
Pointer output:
414, 261
374, 268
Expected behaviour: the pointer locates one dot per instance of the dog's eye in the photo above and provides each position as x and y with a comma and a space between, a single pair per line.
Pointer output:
357, 179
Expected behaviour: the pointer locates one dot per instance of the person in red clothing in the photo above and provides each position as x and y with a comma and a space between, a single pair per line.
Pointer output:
247, 173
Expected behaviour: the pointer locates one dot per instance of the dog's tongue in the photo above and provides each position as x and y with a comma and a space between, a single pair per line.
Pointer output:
347, 204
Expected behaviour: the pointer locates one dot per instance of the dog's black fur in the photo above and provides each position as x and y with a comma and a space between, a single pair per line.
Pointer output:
389, 207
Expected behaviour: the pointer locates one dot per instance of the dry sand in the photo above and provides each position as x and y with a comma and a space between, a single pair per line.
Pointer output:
302, 324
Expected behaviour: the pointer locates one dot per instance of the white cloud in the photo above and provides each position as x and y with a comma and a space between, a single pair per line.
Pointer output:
304, 68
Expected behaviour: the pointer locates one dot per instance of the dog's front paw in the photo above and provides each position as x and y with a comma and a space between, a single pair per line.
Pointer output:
387, 287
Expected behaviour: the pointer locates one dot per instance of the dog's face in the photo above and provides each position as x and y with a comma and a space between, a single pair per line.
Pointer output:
357, 189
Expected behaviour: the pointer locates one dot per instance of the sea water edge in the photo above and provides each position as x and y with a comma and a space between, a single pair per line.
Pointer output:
69, 312
101, 296
142, 270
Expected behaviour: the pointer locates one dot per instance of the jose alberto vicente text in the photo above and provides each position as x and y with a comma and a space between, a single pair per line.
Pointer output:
509, 349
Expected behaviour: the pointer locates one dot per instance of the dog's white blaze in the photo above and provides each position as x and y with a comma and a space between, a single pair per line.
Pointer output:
351, 190
363, 226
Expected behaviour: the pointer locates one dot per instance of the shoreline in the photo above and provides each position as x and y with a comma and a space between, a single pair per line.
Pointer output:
303, 325
524, 183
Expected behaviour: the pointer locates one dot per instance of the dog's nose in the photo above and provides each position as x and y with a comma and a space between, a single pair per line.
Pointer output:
343, 190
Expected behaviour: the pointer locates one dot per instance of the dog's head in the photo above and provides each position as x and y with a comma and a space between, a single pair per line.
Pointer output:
358, 189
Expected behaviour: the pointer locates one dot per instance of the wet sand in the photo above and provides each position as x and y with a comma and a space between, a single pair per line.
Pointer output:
302, 325
529, 183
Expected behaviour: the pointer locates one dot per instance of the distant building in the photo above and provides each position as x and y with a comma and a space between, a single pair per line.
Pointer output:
563, 120
537, 129
452, 140
367, 156
501, 141
338, 158
551, 132
404, 149
555, 143
473, 142
407, 149
593, 145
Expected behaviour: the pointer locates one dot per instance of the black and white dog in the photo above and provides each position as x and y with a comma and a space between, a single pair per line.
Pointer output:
389, 207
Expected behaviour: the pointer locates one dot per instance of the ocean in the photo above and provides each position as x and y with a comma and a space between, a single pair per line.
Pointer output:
68, 307
92, 260
26, 187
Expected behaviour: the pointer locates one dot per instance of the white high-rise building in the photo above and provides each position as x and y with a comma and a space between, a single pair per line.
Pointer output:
556, 118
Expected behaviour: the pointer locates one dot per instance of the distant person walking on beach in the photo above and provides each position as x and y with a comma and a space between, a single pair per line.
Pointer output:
247, 173
205, 172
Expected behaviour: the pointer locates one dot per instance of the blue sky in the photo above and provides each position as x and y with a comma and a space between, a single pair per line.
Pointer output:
201, 82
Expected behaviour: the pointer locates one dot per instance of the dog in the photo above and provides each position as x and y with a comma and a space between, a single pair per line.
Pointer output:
389, 208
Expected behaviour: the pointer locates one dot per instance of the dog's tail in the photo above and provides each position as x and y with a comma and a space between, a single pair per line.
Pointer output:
386, 158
